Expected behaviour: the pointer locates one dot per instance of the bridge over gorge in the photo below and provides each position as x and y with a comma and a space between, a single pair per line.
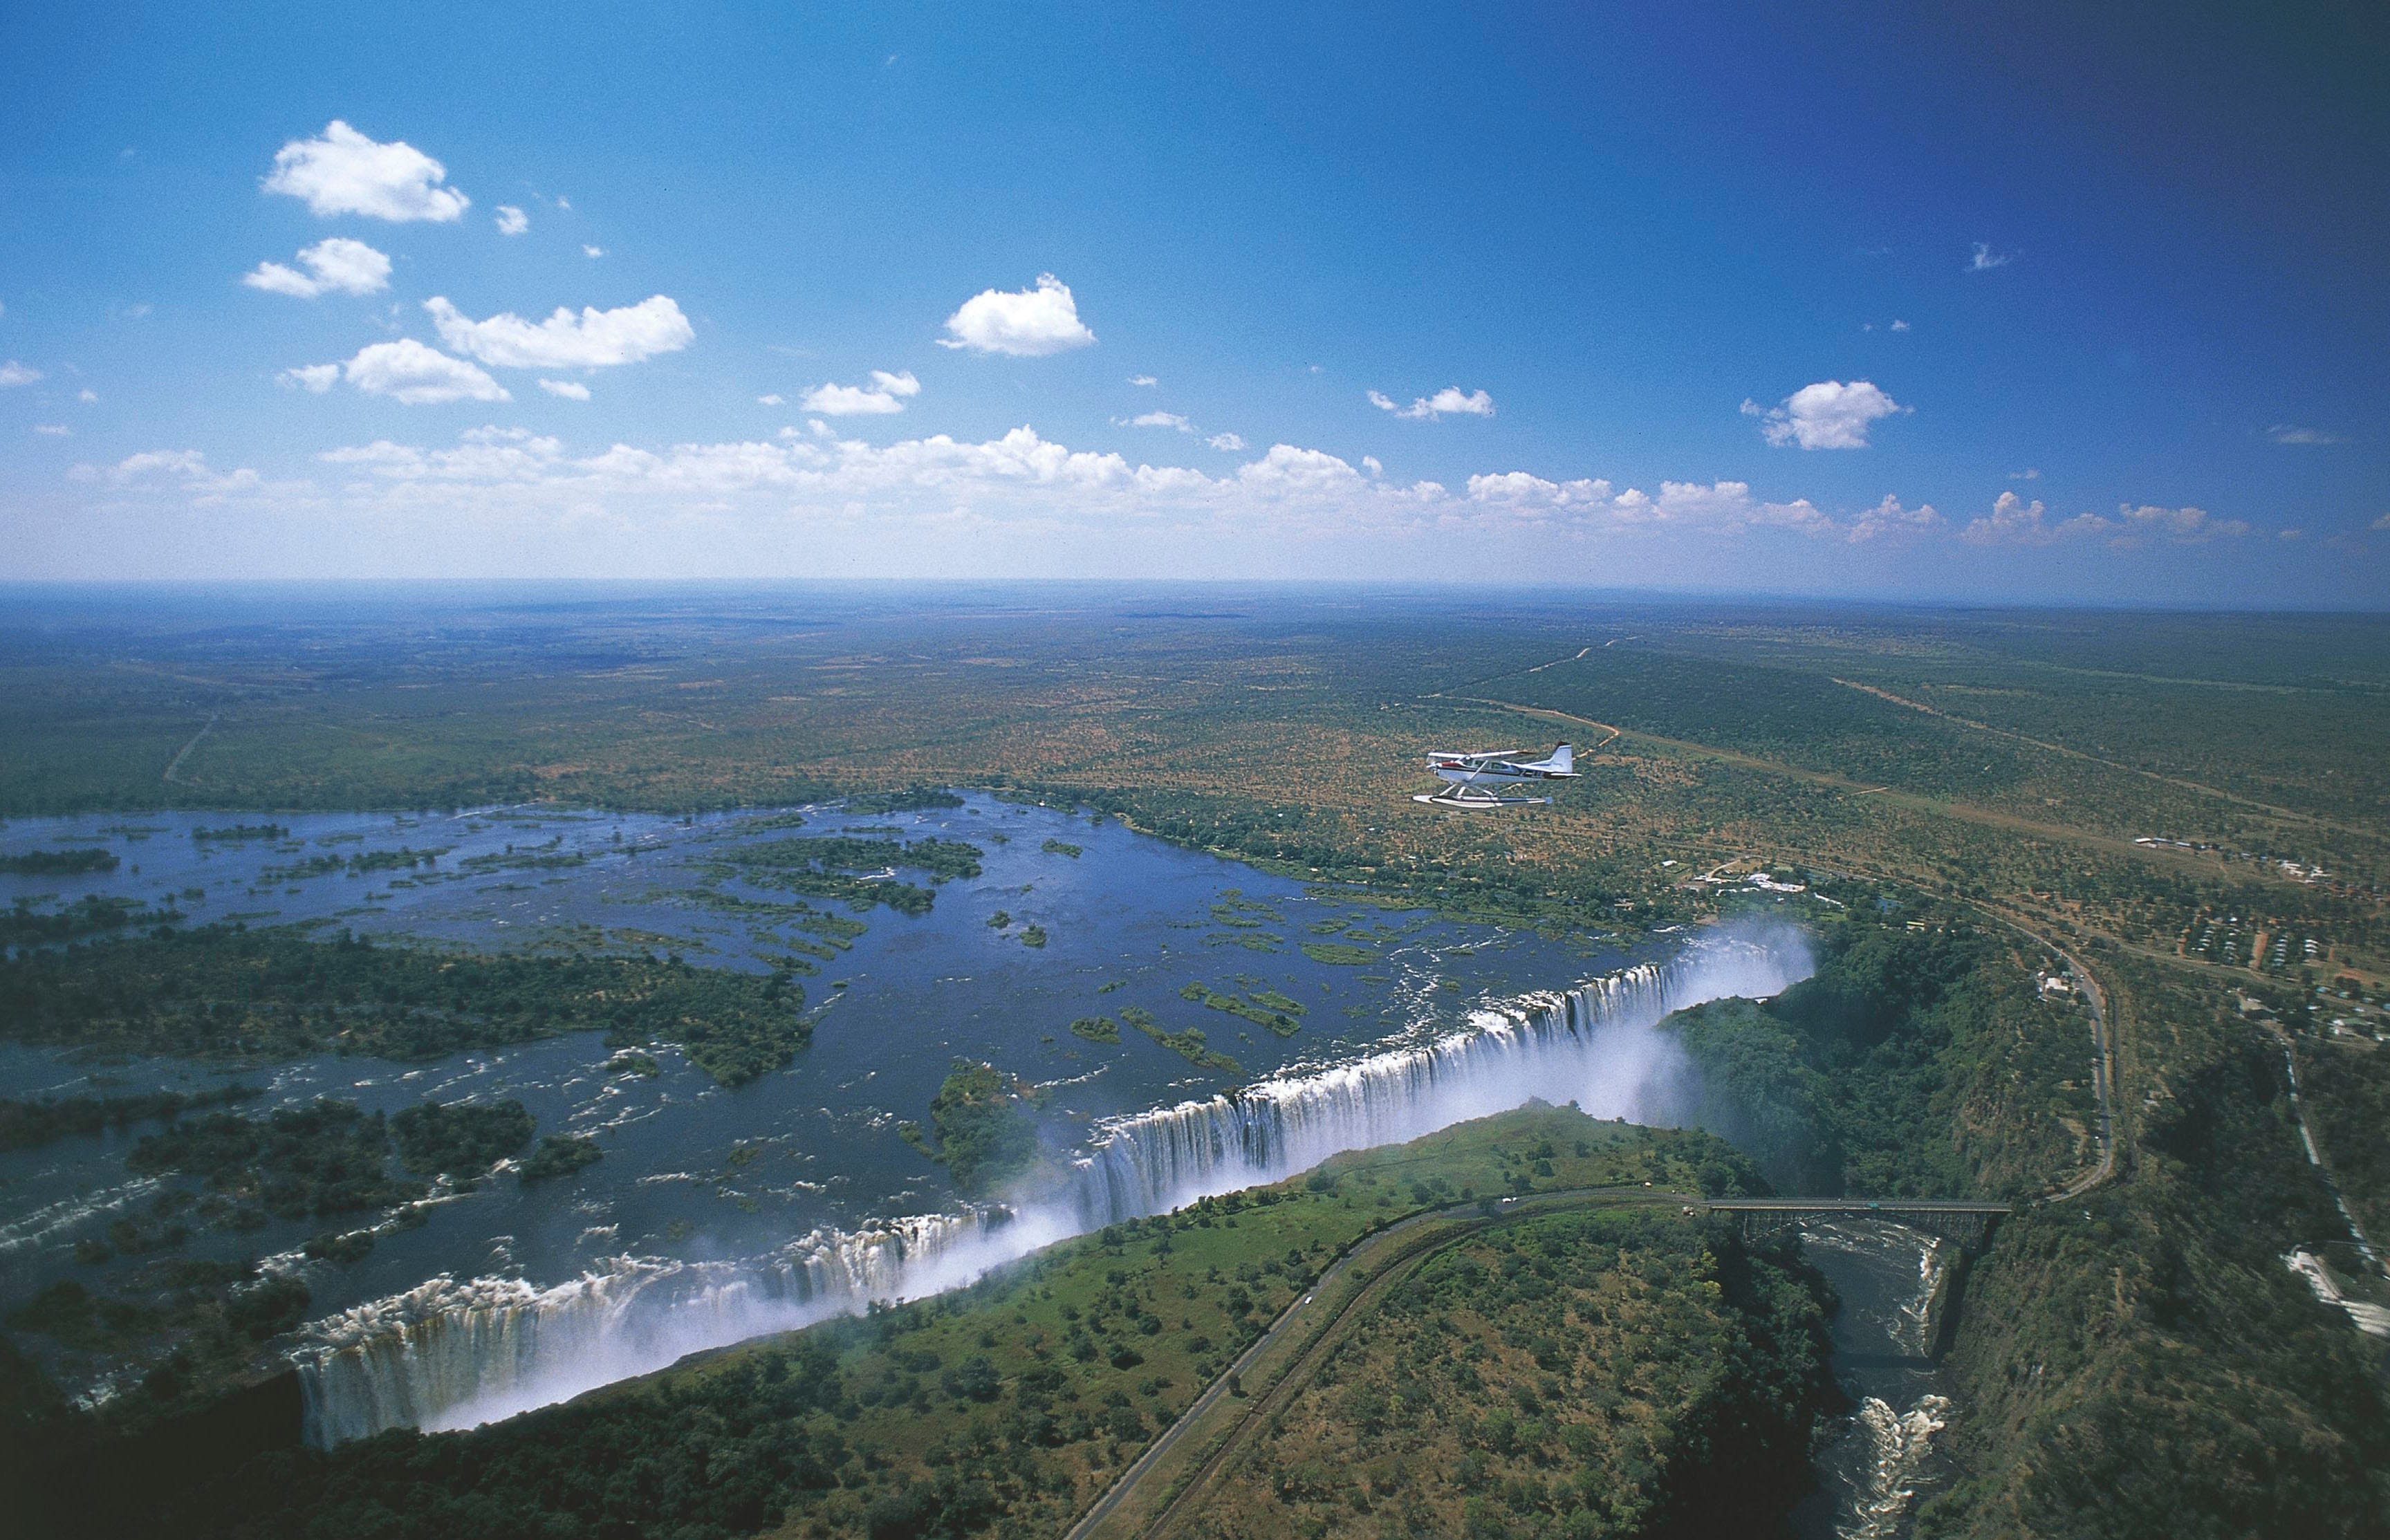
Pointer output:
1962, 1222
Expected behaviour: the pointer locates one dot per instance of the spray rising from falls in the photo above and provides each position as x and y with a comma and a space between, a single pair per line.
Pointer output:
1593, 1045
452, 1355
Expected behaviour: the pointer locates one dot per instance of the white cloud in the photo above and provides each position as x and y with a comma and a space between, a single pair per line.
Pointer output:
773, 400
569, 390
2030, 473
410, 373
14, 373
184, 462
593, 253
344, 172
2381, 523
1828, 415
1900, 325
315, 378
2185, 526
1143, 379
188, 466
2013, 521
54, 429
511, 219
1985, 259
1889, 521
1450, 400
1028, 322
86, 394
1159, 419
334, 266
884, 395
1227, 443
488, 455
593, 340
1595, 506
2283, 432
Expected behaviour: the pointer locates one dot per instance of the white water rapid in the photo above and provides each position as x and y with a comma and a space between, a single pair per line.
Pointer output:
453, 1355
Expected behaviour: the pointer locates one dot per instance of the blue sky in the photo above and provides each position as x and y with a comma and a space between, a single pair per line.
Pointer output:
1995, 302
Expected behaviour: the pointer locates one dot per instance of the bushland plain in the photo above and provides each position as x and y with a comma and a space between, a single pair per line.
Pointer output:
2162, 798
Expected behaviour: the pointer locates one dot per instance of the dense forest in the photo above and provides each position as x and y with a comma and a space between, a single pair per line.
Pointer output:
1920, 1060
1513, 1386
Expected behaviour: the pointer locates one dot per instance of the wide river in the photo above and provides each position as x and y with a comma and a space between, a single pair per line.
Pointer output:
717, 1214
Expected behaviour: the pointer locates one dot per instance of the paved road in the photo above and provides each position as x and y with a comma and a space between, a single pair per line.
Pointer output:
1854, 1205
1385, 1250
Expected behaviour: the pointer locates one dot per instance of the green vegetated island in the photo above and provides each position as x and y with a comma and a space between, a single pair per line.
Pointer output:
228, 994
2189, 807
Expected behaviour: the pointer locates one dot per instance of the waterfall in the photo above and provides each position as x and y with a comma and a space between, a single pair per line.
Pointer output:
1593, 1045
450, 1353
454, 1355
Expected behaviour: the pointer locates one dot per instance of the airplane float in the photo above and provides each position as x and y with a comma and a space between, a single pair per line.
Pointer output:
1484, 780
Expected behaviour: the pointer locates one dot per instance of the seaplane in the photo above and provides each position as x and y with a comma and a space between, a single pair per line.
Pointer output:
1491, 779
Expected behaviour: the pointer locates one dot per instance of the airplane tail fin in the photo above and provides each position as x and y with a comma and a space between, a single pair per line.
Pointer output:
1563, 759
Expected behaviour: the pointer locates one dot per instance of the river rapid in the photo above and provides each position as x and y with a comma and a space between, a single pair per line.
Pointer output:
1886, 1452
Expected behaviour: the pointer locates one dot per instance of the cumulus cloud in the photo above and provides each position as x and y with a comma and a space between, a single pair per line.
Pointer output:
186, 470
344, 172
593, 253
2184, 526
1593, 505
1143, 379
1449, 401
979, 506
14, 373
412, 374
54, 429
2283, 432
1227, 443
1028, 322
773, 400
1889, 521
1828, 415
1985, 259
511, 219
2013, 521
570, 389
314, 377
86, 394
595, 339
885, 394
335, 266
1900, 325
488, 455
1159, 419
